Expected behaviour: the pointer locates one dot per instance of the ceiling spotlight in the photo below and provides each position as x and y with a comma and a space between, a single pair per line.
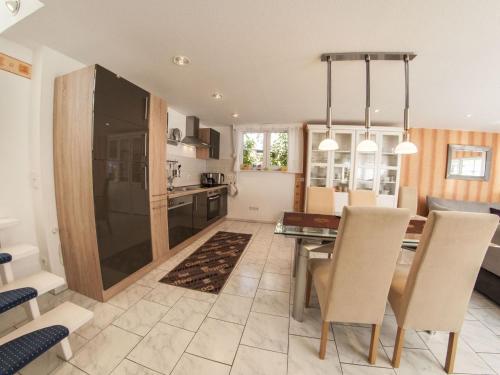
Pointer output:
377, 110
217, 96
235, 115
468, 115
13, 6
181, 60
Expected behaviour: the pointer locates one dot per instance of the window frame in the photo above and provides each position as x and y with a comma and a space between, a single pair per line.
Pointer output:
266, 162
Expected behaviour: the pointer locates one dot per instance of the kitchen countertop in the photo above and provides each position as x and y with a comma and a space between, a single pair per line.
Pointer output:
180, 193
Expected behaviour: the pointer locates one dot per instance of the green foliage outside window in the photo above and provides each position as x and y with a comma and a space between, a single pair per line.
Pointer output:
279, 150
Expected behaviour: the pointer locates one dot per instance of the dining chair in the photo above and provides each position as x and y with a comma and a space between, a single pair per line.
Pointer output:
352, 287
362, 198
320, 200
408, 198
434, 291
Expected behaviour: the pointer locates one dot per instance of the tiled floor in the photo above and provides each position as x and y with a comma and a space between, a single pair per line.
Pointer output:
153, 328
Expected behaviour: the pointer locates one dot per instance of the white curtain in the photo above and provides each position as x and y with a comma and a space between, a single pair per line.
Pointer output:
295, 143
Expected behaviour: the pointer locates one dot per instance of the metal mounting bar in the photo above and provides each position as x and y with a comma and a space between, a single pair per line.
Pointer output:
352, 56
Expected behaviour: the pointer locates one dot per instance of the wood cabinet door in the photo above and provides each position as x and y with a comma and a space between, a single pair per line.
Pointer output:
157, 147
159, 228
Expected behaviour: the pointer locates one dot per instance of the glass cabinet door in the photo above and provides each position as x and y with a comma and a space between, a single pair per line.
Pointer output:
341, 173
365, 165
388, 164
319, 161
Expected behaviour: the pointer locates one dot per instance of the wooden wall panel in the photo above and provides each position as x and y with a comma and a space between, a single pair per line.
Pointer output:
426, 170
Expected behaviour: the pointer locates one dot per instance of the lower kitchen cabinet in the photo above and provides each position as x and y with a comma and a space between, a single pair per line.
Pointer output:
199, 212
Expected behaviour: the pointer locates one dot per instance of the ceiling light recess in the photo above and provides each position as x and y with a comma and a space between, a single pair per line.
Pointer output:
217, 96
406, 147
329, 143
235, 115
181, 60
13, 6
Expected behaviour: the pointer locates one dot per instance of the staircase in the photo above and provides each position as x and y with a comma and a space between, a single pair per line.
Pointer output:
42, 332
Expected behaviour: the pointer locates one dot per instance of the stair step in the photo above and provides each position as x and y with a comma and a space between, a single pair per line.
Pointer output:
20, 251
42, 281
67, 314
7, 222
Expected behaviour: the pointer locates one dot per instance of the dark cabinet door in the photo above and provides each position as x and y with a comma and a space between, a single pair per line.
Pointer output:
199, 212
119, 98
214, 144
223, 203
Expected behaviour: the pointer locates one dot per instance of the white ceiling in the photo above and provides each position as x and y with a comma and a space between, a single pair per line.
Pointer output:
263, 55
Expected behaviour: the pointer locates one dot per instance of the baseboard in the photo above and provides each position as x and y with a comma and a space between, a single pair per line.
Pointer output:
488, 284
251, 220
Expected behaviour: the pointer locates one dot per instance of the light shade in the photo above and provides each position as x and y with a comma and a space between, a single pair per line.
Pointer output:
367, 146
328, 144
405, 148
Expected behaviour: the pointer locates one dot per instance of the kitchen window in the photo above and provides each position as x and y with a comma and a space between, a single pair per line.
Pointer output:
264, 151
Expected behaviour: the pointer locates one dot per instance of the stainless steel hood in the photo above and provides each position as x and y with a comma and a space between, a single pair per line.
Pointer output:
192, 132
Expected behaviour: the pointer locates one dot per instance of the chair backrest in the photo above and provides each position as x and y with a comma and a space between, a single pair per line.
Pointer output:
364, 258
320, 200
362, 198
407, 198
444, 270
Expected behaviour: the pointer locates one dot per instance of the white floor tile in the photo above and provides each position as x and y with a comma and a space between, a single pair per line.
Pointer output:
234, 309
191, 365
44, 364
187, 313
417, 362
253, 361
216, 340
105, 351
104, 315
246, 269
353, 344
129, 296
141, 317
271, 302
310, 325
67, 368
303, 357
365, 370
127, 367
466, 360
265, 331
389, 330
493, 360
480, 338
200, 296
161, 348
165, 294
490, 318
273, 281
241, 286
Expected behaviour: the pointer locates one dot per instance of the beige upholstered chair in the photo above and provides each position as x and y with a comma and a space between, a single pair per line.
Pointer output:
320, 200
433, 293
352, 287
407, 198
362, 198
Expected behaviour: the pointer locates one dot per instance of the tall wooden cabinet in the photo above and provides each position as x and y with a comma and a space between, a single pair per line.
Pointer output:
109, 163
346, 169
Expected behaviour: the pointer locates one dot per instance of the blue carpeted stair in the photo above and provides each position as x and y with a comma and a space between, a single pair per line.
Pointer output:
15, 297
5, 258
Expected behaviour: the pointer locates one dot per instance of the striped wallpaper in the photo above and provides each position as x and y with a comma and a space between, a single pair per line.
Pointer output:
427, 169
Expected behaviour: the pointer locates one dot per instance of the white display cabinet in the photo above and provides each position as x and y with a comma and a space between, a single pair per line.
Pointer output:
346, 169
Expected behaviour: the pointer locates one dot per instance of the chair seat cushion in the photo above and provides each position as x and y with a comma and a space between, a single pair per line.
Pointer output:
320, 270
5, 258
398, 286
16, 354
15, 297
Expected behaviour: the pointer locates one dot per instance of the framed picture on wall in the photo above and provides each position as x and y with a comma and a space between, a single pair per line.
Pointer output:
467, 162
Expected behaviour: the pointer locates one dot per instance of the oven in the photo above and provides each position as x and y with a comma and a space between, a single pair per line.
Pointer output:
213, 204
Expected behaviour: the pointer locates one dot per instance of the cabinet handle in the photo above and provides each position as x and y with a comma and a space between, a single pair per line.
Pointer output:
145, 177
146, 145
146, 108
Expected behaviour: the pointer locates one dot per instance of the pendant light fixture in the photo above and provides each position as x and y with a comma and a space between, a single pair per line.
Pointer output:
406, 147
329, 143
367, 145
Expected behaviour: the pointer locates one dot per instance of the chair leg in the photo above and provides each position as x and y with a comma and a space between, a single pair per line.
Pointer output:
372, 356
325, 327
452, 350
398, 347
308, 288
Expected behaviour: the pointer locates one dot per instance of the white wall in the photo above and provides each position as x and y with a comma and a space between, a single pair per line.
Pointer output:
262, 195
16, 198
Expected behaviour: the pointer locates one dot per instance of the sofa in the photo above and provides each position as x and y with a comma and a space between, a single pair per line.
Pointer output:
488, 281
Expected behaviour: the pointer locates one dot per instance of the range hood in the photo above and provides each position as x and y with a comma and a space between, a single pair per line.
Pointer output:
192, 132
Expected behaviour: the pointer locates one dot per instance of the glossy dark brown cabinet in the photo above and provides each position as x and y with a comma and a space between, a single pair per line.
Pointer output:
120, 177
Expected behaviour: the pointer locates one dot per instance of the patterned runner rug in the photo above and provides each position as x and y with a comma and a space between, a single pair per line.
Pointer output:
208, 268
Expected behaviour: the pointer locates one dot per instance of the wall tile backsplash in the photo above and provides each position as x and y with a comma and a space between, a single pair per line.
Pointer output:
190, 170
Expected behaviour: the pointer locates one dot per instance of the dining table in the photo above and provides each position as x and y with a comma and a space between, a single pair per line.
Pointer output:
322, 229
